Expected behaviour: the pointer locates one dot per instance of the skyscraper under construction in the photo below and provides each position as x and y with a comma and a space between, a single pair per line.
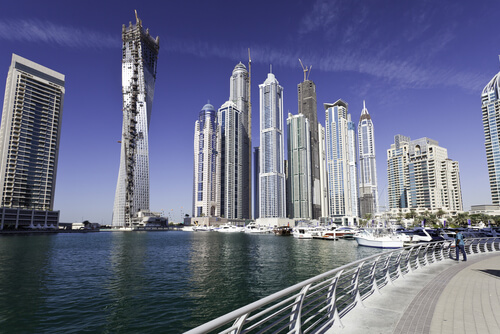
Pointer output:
139, 57
308, 107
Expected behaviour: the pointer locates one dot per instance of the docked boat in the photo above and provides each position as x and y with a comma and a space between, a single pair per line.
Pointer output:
283, 230
344, 232
257, 229
202, 228
378, 239
228, 228
302, 233
322, 233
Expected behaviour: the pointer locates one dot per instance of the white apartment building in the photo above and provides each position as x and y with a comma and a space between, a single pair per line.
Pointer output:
338, 148
29, 135
421, 176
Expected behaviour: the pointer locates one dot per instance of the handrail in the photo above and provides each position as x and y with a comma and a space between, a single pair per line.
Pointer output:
314, 305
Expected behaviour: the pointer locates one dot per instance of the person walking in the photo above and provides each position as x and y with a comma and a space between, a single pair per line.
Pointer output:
460, 244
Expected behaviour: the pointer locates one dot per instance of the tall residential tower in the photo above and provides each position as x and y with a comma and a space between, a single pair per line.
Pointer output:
490, 100
308, 107
272, 173
368, 191
240, 96
339, 155
206, 194
299, 167
139, 56
29, 135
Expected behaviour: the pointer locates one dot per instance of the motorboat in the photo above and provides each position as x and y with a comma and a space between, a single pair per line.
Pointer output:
345, 232
257, 229
379, 238
202, 228
322, 233
228, 228
302, 233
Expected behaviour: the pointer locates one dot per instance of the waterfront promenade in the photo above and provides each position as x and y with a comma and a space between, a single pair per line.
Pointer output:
445, 297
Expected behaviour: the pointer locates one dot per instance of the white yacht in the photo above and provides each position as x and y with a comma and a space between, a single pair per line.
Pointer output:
229, 228
302, 233
378, 238
257, 229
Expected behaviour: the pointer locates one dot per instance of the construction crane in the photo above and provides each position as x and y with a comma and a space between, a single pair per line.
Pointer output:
305, 69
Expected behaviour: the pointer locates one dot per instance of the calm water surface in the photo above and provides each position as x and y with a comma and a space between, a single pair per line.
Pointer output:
143, 282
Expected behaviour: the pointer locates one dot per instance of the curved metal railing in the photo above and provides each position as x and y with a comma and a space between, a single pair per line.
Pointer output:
314, 305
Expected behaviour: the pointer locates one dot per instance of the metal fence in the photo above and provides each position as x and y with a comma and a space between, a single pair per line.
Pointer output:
314, 305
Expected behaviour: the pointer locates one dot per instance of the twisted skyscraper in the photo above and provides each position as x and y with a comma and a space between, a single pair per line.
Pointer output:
139, 56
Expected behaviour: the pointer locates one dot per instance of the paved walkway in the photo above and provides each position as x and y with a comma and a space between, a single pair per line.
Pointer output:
445, 297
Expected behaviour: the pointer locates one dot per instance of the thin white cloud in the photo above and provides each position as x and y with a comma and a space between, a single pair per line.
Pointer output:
407, 73
36, 31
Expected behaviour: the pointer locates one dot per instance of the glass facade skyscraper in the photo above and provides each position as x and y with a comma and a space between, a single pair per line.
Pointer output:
29, 135
206, 194
233, 181
272, 171
339, 163
299, 167
368, 190
490, 100
139, 58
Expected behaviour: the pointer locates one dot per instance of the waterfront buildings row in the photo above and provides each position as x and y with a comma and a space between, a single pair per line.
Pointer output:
330, 174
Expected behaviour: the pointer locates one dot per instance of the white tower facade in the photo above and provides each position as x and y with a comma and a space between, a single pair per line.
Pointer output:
422, 177
29, 135
206, 193
139, 57
340, 194
353, 166
299, 167
272, 171
490, 100
368, 189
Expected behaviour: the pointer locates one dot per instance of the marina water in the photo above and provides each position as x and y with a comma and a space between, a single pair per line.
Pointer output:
138, 282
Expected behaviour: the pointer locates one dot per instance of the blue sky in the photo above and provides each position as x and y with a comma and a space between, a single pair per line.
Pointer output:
420, 66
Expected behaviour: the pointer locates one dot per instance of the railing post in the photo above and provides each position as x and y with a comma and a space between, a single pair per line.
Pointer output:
424, 257
333, 312
373, 279
356, 284
399, 272
239, 324
295, 317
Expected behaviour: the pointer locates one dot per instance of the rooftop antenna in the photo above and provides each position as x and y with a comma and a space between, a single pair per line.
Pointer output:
305, 69
271, 68
136, 18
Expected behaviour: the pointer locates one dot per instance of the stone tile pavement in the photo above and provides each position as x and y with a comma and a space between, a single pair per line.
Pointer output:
445, 297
